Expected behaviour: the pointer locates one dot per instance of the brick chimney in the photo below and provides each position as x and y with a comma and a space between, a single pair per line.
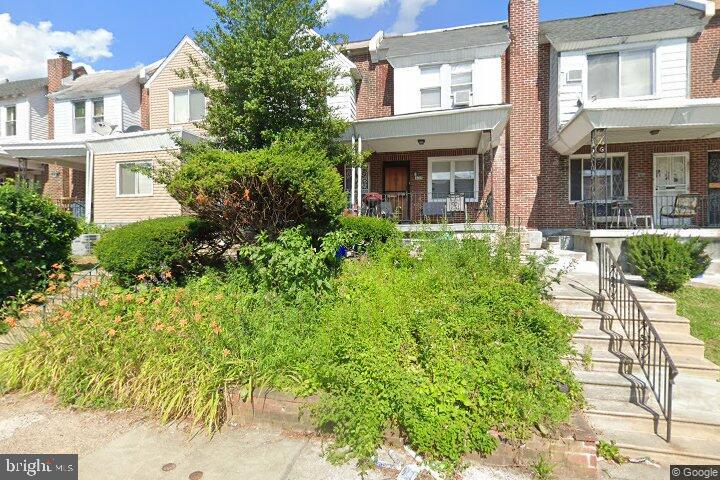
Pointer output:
56, 181
523, 130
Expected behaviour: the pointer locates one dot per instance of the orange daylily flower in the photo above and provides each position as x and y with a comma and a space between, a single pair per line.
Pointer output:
226, 353
129, 297
216, 328
197, 317
183, 322
167, 274
56, 266
11, 322
118, 319
195, 303
103, 303
61, 276
111, 332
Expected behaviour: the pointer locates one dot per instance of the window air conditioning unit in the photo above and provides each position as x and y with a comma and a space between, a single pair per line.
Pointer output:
461, 98
573, 76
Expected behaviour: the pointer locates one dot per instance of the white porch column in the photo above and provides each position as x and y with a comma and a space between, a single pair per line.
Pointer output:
352, 181
359, 180
89, 167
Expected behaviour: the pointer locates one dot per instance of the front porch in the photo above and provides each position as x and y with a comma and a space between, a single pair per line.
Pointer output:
429, 167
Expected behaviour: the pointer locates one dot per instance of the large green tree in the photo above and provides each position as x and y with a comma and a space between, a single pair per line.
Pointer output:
276, 72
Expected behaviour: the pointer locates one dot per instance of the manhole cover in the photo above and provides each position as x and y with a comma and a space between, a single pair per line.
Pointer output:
168, 466
195, 476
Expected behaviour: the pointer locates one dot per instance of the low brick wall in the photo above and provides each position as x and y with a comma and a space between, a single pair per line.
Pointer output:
573, 453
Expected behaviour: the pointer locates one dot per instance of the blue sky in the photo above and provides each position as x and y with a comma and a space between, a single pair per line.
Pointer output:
112, 34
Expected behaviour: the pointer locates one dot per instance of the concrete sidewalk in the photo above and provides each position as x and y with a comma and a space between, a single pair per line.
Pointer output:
123, 445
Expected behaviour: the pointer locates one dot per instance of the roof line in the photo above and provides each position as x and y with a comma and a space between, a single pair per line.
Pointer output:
447, 29
614, 13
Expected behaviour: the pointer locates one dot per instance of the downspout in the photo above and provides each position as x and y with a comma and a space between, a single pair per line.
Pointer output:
89, 173
359, 180
352, 180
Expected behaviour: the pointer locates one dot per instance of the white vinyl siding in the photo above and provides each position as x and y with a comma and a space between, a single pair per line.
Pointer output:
130, 105
132, 183
668, 74
38, 106
418, 86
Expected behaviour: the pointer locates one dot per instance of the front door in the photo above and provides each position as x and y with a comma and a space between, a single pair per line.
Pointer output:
397, 188
714, 189
672, 178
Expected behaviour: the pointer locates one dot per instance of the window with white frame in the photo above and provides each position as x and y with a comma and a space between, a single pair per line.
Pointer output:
98, 111
457, 176
11, 121
430, 87
620, 74
187, 106
79, 116
460, 79
606, 180
131, 181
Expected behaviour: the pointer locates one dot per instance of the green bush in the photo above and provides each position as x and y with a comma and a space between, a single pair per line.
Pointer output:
665, 262
261, 191
290, 264
152, 250
443, 344
368, 232
34, 235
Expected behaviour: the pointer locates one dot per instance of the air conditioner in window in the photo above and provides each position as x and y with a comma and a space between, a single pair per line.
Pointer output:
461, 98
573, 76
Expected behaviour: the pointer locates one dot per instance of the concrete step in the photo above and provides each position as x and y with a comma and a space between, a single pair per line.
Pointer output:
681, 450
663, 322
606, 361
613, 415
615, 341
565, 301
613, 386
714, 268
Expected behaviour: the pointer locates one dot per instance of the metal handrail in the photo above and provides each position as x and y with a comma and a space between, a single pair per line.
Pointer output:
654, 358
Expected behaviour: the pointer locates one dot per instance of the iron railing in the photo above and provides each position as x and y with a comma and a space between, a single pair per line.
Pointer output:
648, 211
651, 352
420, 207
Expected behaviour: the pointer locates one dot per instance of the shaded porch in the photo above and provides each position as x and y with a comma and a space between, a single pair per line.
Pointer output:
430, 167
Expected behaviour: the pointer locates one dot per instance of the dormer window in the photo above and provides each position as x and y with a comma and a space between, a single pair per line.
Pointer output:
620, 74
187, 106
11, 121
430, 88
98, 111
79, 117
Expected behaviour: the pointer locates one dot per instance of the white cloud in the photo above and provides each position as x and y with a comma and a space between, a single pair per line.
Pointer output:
25, 47
353, 8
406, 20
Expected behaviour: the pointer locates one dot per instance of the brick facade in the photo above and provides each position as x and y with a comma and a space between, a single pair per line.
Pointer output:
144, 108
705, 62
375, 91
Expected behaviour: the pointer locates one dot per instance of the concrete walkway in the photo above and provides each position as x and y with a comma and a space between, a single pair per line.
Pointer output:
122, 445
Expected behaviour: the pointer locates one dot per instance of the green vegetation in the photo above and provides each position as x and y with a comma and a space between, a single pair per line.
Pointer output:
701, 307
243, 194
665, 262
444, 346
152, 250
368, 232
543, 468
34, 235
610, 452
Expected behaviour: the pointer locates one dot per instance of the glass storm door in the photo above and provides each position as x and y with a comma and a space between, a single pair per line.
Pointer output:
671, 179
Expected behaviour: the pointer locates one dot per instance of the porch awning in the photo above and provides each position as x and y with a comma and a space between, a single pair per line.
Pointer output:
641, 121
68, 154
474, 127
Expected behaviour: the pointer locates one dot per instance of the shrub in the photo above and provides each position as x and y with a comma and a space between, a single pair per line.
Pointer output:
290, 264
268, 190
34, 235
665, 262
366, 233
154, 250
445, 346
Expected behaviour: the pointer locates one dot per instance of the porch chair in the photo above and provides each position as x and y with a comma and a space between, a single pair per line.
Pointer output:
685, 207
433, 209
386, 210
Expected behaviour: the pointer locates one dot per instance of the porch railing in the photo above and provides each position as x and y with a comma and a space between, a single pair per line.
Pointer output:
652, 354
415, 207
649, 211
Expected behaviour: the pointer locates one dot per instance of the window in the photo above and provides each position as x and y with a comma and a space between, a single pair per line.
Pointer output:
430, 89
607, 183
460, 78
10, 121
452, 176
131, 182
623, 74
98, 111
187, 106
79, 117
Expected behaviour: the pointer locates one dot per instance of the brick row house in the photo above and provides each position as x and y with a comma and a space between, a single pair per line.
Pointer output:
604, 122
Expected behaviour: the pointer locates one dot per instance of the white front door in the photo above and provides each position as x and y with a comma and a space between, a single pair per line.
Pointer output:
672, 177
